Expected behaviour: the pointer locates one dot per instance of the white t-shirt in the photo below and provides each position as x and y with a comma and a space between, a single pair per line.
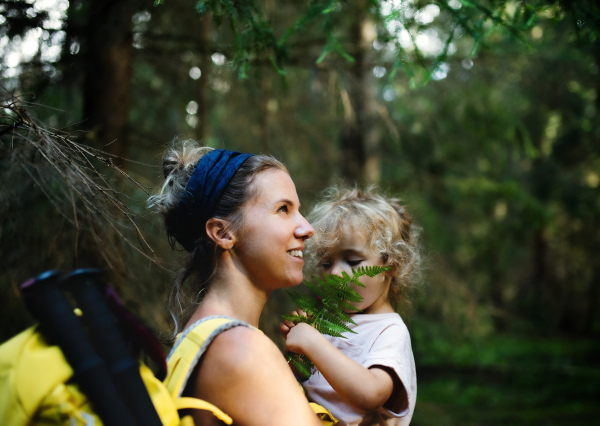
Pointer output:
381, 339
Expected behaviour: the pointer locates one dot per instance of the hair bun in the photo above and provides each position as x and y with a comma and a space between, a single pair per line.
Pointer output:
170, 166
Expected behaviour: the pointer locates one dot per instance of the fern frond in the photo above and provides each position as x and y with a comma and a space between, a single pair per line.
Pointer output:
340, 312
304, 301
372, 271
328, 306
297, 319
332, 327
301, 363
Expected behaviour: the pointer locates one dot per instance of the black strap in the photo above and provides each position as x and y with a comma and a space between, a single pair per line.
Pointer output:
59, 323
101, 359
85, 285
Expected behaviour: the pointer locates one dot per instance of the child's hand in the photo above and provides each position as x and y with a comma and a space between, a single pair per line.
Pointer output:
286, 326
300, 338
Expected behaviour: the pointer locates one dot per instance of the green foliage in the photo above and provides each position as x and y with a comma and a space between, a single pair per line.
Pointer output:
504, 379
255, 31
328, 306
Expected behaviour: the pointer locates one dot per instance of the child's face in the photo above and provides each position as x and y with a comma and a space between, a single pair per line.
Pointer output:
354, 252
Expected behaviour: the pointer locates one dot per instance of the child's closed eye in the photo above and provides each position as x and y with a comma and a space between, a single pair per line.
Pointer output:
326, 265
354, 262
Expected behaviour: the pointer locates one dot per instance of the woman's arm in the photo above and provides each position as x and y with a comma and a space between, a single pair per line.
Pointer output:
245, 375
364, 388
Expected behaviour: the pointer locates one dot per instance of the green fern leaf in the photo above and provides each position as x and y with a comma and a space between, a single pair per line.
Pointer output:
301, 363
332, 328
309, 302
327, 309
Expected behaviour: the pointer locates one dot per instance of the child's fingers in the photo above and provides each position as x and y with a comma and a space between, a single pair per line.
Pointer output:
287, 325
299, 313
284, 329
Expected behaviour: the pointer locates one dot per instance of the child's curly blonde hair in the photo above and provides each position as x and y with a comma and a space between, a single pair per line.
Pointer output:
382, 220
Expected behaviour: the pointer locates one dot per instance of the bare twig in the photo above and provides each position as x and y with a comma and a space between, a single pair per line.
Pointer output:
50, 155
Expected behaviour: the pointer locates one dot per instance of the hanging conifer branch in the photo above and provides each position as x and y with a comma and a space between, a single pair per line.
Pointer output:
328, 306
256, 37
67, 173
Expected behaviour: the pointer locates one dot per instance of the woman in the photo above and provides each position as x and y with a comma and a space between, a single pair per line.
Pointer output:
238, 217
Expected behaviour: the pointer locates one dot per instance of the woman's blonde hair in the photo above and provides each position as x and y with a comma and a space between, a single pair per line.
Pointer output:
382, 220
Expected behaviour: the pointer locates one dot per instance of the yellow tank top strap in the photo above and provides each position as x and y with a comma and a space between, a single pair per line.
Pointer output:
185, 355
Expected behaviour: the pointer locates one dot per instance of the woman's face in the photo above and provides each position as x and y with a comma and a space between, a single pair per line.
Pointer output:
269, 246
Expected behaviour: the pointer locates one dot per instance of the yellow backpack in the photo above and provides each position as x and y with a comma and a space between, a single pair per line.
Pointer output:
66, 370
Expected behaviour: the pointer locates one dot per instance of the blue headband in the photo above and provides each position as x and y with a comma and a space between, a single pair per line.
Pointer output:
213, 173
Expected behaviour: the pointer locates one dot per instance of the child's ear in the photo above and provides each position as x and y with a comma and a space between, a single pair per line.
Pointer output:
384, 260
216, 229
390, 272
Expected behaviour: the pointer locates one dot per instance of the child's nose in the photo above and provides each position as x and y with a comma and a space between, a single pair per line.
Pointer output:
336, 269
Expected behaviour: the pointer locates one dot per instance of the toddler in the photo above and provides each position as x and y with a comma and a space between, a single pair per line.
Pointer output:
367, 378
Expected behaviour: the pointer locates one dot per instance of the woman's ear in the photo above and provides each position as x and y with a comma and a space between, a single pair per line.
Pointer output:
216, 230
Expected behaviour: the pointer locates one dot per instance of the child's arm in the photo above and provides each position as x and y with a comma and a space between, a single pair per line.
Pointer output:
364, 388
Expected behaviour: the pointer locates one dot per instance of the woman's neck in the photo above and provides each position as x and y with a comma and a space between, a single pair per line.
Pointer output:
233, 296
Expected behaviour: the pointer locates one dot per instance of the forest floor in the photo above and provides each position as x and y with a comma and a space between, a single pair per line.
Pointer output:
511, 381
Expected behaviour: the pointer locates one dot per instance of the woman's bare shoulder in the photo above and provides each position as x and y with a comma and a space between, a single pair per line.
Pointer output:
246, 375
238, 347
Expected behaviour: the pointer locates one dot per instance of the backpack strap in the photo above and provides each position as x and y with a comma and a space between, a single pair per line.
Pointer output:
327, 419
186, 354
324, 415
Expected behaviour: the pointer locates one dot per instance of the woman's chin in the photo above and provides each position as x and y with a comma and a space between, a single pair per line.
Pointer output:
296, 282
292, 281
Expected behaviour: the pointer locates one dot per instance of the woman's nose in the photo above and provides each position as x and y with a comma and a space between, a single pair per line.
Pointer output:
304, 230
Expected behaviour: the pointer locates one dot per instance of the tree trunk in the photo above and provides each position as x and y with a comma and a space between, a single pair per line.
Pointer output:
108, 73
359, 138
497, 295
593, 293
264, 111
203, 88
590, 312
540, 271
265, 93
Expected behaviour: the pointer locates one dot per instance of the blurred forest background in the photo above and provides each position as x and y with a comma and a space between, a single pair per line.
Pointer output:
482, 115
